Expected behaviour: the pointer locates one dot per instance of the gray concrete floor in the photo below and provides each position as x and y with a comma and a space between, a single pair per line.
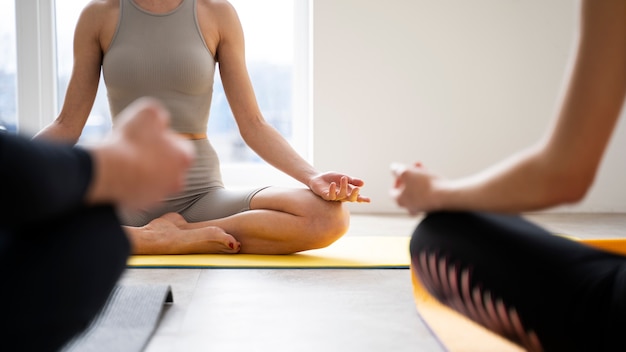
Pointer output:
315, 309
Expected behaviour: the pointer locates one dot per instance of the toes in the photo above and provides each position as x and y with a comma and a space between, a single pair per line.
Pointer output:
232, 248
164, 235
233, 245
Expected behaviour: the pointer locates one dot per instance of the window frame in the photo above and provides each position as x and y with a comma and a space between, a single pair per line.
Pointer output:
37, 85
36, 64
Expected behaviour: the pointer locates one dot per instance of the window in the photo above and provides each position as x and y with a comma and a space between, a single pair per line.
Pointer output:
99, 121
8, 67
270, 60
270, 56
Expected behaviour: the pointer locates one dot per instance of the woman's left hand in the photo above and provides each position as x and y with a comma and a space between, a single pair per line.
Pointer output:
333, 186
414, 187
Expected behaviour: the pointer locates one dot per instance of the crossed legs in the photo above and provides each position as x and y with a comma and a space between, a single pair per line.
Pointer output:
542, 291
280, 221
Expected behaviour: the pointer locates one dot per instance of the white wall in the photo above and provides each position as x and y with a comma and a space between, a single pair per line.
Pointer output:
455, 84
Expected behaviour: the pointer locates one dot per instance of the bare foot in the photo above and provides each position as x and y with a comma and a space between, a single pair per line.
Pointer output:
177, 220
170, 235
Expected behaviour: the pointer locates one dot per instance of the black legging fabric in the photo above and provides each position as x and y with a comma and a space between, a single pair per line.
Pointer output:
539, 290
59, 258
57, 276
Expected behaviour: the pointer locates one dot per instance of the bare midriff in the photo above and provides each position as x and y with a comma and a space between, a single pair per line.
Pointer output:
192, 136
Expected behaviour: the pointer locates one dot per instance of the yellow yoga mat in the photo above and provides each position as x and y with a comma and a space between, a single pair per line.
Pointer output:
458, 333
613, 245
347, 252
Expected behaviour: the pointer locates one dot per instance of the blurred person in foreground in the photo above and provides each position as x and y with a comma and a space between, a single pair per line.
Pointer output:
62, 247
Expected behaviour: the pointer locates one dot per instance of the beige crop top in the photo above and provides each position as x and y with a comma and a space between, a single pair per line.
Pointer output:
162, 56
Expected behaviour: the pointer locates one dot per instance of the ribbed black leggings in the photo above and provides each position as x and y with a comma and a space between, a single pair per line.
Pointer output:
542, 291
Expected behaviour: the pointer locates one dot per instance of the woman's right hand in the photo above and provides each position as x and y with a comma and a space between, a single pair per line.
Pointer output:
142, 160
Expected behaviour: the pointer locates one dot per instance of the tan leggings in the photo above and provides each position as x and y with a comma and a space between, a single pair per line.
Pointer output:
215, 203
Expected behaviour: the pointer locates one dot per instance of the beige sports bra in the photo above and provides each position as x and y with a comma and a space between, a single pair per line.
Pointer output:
162, 56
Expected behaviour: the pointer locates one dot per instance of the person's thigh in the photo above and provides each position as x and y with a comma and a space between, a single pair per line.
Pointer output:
219, 203
57, 276
499, 269
296, 201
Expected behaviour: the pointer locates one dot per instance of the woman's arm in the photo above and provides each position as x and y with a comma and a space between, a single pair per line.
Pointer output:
256, 132
83, 84
561, 168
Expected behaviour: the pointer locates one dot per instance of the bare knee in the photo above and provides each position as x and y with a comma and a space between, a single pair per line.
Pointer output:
328, 223
315, 222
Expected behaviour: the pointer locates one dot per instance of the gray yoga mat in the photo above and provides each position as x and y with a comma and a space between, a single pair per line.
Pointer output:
126, 322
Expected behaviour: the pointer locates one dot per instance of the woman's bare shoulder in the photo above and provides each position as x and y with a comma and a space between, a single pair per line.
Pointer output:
216, 4
219, 15
221, 9
98, 12
97, 22
101, 6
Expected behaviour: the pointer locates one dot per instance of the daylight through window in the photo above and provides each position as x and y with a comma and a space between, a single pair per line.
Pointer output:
8, 68
270, 59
